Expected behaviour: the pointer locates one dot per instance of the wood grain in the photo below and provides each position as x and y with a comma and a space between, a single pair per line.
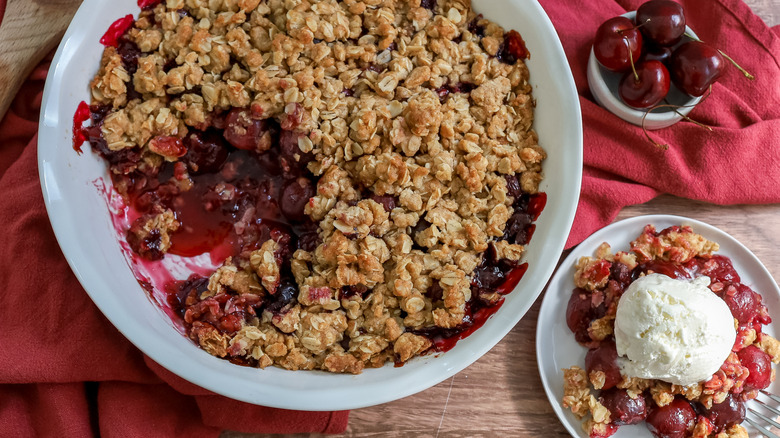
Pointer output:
30, 30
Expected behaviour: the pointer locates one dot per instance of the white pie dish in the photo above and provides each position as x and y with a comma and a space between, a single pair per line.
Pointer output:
82, 224
565, 352
604, 87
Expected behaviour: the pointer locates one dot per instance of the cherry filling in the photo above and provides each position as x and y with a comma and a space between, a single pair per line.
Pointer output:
675, 420
603, 359
117, 30
240, 179
80, 134
148, 4
726, 413
475, 28
493, 278
428, 4
622, 408
445, 90
512, 49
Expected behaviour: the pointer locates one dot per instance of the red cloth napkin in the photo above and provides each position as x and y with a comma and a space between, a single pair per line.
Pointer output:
53, 339
737, 163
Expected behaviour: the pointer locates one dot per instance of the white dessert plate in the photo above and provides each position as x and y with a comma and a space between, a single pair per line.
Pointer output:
556, 348
81, 221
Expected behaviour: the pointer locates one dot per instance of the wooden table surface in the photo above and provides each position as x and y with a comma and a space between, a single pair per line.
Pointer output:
500, 394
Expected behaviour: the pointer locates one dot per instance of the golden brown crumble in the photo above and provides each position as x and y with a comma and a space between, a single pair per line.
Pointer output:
372, 89
678, 245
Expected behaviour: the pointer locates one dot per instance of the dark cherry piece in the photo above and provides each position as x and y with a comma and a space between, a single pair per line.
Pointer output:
247, 133
475, 28
292, 160
622, 408
674, 420
181, 294
285, 294
308, 241
295, 195
428, 4
206, 152
389, 202
662, 21
744, 304
760, 366
604, 358
517, 228
512, 49
148, 245
148, 4
616, 40
727, 413
491, 273
650, 88
695, 66
579, 314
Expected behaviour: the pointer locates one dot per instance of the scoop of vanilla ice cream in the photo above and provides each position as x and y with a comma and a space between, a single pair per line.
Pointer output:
672, 330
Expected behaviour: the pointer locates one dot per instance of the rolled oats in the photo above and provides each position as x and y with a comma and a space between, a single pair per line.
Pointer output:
415, 131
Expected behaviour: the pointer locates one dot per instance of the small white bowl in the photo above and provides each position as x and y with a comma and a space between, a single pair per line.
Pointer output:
604, 87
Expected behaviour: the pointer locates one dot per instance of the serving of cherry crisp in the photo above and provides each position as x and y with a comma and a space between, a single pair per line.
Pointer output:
606, 399
365, 171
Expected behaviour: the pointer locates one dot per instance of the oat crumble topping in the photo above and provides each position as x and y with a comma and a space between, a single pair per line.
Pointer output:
407, 121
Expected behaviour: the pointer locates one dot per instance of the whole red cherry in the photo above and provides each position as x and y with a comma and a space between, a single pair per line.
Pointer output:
604, 358
647, 88
616, 40
622, 408
760, 366
661, 21
674, 420
726, 413
695, 66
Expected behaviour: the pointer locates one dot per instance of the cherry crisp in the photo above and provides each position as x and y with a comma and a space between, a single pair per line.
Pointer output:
366, 168
606, 399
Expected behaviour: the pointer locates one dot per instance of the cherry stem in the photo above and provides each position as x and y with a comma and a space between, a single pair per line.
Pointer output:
729, 58
631, 59
661, 146
695, 122
700, 124
744, 72
620, 31
675, 107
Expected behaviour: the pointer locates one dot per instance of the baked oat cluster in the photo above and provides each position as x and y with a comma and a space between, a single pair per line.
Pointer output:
606, 399
375, 160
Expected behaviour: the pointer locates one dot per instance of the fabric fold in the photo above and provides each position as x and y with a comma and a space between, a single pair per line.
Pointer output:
732, 164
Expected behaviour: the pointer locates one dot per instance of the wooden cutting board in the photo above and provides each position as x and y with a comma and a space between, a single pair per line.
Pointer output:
30, 30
